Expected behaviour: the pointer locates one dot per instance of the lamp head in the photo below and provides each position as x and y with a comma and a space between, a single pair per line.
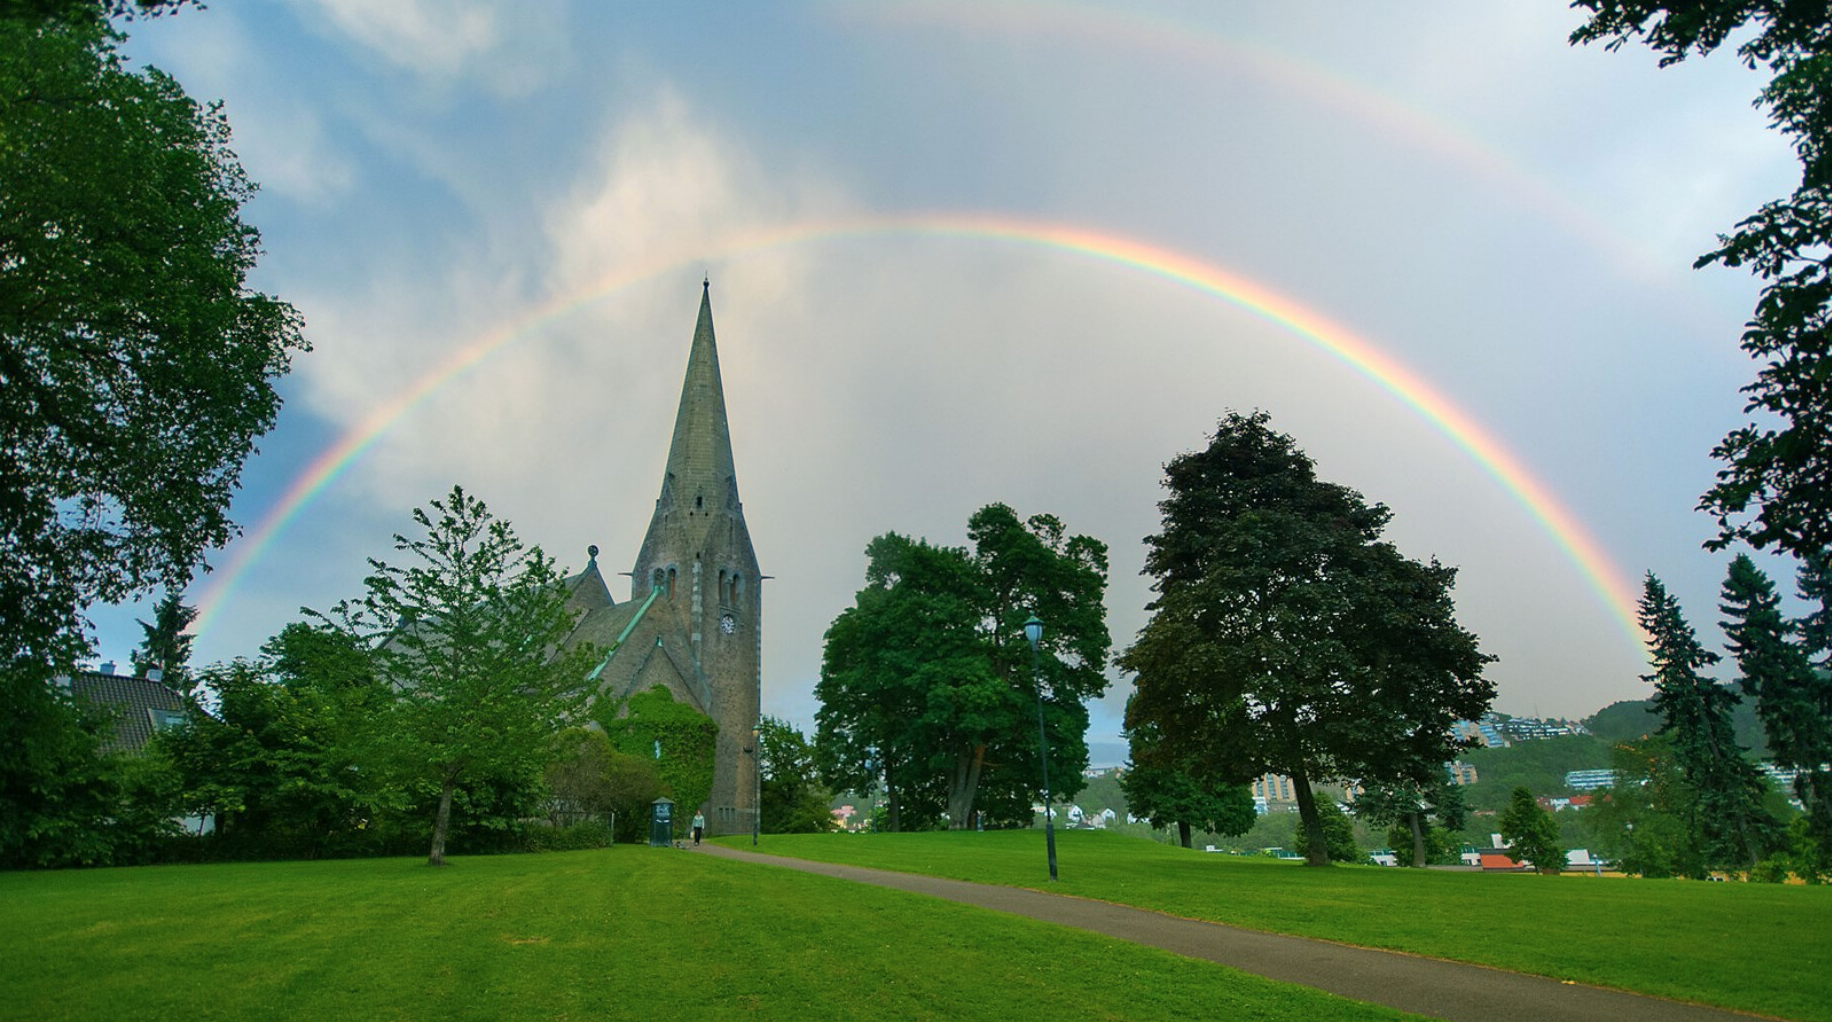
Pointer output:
1033, 630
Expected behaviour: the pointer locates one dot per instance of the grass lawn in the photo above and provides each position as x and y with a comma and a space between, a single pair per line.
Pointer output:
629, 932
1755, 947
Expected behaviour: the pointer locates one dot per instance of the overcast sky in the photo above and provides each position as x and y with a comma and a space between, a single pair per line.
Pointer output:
881, 193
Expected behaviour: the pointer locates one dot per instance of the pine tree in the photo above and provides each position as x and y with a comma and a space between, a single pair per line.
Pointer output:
1805, 742
1727, 822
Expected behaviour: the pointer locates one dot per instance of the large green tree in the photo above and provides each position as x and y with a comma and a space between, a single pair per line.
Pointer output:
469, 631
1772, 489
793, 799
1168, 794
1286, 637
138, 367
136, 371
1726, 818
926, 681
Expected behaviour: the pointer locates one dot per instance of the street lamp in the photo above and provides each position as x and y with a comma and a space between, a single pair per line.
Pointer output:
1033, 630
757, 777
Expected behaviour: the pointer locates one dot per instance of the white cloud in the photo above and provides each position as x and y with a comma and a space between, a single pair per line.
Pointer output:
512, 50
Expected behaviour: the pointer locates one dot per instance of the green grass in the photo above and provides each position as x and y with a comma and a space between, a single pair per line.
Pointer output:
627, 932
1755, 947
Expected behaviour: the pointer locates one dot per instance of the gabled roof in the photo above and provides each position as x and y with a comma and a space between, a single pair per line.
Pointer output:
139, 705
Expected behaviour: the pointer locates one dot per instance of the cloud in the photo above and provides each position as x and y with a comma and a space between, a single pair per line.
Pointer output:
511, 50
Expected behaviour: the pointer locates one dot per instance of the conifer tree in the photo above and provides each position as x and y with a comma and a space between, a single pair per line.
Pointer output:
1727, 822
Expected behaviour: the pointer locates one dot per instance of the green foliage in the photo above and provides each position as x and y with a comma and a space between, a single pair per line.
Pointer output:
1726, 818
1167, 795
64, 801
676, 739
794, 802
466, 632
1531, 832
166, 645
1540, 765
590, 782
138, 366
571, 838
1286, 636
926, 681
1338, 836
1407, 807
1772, 488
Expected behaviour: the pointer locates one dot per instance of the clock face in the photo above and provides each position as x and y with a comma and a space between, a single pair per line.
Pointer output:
728, 624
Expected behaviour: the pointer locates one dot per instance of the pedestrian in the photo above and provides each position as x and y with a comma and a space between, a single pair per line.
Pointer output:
699, 826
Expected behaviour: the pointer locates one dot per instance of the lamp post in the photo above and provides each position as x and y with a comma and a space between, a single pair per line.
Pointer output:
1033, 630
757, 785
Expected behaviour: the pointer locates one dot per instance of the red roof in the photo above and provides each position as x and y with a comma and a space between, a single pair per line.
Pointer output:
1498, 860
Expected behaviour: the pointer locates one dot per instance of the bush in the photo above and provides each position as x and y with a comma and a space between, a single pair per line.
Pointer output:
578, 837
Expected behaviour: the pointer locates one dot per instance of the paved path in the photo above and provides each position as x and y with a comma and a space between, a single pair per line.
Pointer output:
1427, 986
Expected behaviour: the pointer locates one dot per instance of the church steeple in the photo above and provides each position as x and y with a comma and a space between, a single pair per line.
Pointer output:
700, 477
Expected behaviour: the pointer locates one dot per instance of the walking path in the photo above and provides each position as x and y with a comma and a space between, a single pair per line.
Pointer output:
1426, 986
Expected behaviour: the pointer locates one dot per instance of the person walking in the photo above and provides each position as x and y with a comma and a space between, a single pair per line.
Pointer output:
699, 826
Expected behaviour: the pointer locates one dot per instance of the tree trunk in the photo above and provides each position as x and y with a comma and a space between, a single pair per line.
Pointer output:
437, 858
1418, 839
1183, 833
966, 783
1317, 852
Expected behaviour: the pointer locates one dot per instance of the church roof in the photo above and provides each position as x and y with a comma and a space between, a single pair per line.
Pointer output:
700, 469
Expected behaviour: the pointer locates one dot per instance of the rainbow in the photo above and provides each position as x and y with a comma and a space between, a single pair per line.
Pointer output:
1333, 339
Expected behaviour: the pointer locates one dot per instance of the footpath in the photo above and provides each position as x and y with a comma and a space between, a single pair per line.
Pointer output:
1426, 986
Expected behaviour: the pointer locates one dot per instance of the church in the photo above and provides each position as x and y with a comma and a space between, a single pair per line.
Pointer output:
694, 619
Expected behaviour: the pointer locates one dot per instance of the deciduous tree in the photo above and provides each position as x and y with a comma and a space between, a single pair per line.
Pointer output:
469, 632
1158, 790
1286, 636
137, 367
1772, 489
794, 801
926, 681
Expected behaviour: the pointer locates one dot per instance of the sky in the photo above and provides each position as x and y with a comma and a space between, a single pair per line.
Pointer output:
992, 251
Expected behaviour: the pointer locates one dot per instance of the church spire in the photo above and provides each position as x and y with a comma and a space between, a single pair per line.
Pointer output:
701, 477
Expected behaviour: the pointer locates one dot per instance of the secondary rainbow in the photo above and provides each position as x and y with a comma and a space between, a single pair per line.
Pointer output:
1337, 341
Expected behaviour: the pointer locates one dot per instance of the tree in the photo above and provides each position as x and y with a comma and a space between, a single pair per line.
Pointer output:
1726, 819
926, 681
279, 751
166, 645
1286, 637
1173, 798
1338, 841
137, 368
1169, 796
588, 778
794, 802
1777, 473
469, 633
1407, 808
1531, 832
1793, 700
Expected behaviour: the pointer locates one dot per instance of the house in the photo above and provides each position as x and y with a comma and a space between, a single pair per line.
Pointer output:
140, 706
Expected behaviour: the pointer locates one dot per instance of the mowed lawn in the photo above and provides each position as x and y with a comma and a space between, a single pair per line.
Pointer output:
622, 933
1755, 947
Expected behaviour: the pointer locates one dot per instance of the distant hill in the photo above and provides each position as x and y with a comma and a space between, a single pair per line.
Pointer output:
1539, 766
1631, 719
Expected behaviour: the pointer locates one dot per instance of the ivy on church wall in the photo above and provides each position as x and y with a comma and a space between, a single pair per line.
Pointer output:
678, 738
